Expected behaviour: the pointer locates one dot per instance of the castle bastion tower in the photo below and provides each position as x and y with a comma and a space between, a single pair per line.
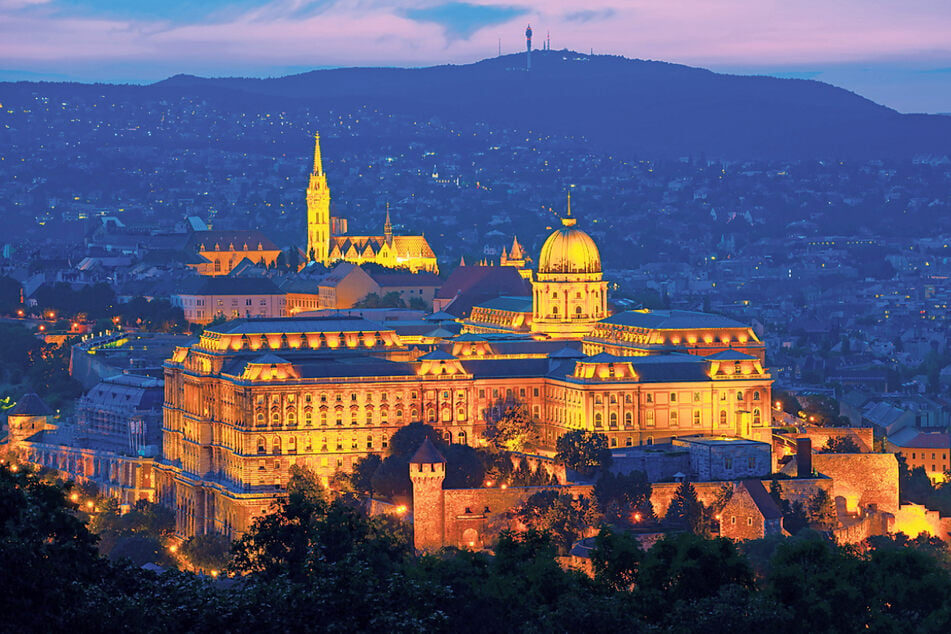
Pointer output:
569, 296
318, 210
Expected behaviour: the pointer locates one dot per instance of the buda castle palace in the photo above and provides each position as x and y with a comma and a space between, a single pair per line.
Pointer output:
253, 397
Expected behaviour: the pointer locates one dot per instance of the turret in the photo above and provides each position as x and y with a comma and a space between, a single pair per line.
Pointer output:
427, 470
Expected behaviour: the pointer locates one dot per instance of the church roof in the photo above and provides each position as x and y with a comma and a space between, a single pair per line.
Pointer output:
403, 246
427, 454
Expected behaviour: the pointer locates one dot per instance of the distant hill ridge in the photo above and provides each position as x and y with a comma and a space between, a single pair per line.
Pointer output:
641, 108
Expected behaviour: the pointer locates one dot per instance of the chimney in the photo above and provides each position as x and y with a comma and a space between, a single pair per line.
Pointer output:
803, 457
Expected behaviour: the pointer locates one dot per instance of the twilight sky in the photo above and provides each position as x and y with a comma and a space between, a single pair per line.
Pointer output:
895, 52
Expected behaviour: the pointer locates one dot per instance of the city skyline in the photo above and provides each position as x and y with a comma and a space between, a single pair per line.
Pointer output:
894, 55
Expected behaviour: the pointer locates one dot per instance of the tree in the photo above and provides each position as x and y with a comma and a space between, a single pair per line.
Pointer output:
209, 552
583, 451
686, 567
566, 517
624, 498
509, 425
307, 534
686, 510
841, 444
616, 559
820, 509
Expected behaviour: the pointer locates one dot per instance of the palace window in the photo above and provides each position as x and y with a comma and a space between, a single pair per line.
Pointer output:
696, 397
262, 445
649, 417
674, 419
756, 395
696, 417
757, 417
612, 421
598, 420
739, 396
722, 417
628, 419
673, 397
649, 398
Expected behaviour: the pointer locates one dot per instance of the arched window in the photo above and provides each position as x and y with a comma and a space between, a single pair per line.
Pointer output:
292, 419
612, 420
613, 441
308, 419
628, 419
554, 310
292, 445
462, 438
722, 417
276, 445
649, 418
461, 414
262, 445
757, 417
276, 419
598, 420
431, 415
447, 436
627, 398
756, 395
739, 396
260, 419
369, 418
578, 311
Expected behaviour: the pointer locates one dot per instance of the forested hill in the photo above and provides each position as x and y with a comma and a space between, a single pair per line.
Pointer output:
644, 108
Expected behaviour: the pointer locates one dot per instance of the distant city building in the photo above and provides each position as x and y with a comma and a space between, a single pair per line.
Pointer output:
219, 252
391, 251
231, 298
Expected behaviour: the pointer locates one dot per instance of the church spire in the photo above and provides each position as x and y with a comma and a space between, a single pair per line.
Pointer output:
388, 226
318, 163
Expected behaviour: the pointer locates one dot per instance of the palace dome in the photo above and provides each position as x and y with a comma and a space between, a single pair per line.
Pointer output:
569, 250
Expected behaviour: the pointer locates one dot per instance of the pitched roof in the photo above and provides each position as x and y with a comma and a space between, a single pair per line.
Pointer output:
730, 355
423, 278
427, 454
921, 440
762, 500
244, 240
223, 285
30, 405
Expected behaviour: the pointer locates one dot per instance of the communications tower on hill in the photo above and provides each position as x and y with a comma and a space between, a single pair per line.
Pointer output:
528, 47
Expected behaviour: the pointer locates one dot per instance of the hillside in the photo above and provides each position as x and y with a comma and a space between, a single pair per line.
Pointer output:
636, 107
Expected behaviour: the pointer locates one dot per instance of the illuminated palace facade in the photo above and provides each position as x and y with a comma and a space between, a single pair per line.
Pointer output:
391, 251
255, 396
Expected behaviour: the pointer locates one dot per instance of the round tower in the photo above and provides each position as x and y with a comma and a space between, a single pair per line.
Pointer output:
427, 470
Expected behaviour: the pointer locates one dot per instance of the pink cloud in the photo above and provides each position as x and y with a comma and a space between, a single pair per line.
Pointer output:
701, 32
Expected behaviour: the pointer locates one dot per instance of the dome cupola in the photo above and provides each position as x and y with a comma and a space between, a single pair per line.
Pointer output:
569, 250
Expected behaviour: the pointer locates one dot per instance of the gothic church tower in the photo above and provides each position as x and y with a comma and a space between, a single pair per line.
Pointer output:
318, 211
